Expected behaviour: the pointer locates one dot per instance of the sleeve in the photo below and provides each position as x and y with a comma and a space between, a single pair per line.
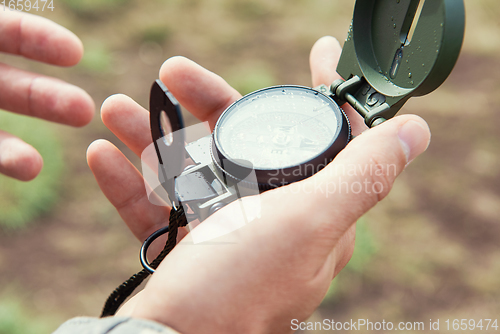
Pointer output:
112, 325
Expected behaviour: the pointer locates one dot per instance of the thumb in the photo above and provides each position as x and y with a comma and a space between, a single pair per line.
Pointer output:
359, 177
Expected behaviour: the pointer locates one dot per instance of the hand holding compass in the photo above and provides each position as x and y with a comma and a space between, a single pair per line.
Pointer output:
286, 226
265, 260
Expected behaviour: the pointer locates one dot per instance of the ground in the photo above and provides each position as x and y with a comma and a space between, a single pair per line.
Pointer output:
428, 251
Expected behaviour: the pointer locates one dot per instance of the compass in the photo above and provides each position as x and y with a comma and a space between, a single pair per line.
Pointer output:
283, 134
395, 50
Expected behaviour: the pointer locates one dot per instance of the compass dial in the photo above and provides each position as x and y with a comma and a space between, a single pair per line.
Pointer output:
278, 128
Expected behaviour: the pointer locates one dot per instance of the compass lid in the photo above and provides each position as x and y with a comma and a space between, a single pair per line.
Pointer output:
402, 48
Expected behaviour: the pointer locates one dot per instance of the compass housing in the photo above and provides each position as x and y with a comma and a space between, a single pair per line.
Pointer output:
398, 49
283, 134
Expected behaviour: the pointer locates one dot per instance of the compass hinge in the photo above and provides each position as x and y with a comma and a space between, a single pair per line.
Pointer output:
346, 91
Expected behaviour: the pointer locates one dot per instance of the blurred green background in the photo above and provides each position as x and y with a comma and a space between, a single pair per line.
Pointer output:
428, 251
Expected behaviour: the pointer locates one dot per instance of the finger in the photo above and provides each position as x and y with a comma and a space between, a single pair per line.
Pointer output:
205, 94
43, 97
359, 177
124, 187
323, 60
128, 121
18, 159
38, 38
344, 250
128, 308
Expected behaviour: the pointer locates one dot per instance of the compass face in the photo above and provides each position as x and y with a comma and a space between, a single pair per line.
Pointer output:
279, 127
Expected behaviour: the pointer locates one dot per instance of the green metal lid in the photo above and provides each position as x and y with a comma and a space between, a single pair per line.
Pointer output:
401, 48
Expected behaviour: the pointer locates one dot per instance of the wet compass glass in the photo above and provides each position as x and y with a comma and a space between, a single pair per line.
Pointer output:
283, 134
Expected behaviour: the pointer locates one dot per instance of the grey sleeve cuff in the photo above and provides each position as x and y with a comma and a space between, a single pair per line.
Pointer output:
112, 325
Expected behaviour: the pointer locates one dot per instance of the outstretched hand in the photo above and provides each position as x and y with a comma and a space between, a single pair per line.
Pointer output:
260, 277
36, 95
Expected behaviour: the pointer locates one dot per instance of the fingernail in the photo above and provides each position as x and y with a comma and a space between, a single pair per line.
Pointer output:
414, 138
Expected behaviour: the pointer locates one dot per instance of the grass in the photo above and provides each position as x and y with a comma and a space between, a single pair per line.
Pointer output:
96, 59
94, 9
21, 202
250, 78
15, 319
157, 33
250, 9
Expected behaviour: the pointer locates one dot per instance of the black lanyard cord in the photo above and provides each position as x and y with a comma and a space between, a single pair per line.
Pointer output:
120, 294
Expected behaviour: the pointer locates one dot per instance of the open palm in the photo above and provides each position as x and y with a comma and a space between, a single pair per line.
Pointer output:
258, 278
